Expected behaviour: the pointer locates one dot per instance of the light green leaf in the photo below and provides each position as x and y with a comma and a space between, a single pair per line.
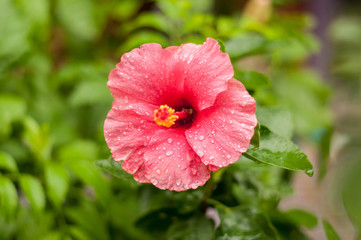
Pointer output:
301, 217
252, 80
12, 107
331, 234
113, 167
194, 228
57, 183
90, 92
245, 45
33, 190
281, 152
8, 162
78, 17
278, 120
8, 197
37, 138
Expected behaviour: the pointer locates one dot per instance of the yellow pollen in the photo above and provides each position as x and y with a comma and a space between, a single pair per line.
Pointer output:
164, 116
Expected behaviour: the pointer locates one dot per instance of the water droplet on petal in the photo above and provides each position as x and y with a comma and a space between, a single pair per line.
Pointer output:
243, 149
158, 171
169, 140
169, 153
201, 137
228, 155
200, 153
232, 111
178, 182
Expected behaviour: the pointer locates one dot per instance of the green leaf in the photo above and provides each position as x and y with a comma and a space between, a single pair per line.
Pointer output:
256, 136
252, 80
276, 119
12, 107
331, 234
244, 223
251, 43
281, 152
8, 197
88, 173
33, 190
221, 44
57, 183
113, 167
90, 92
8, 162
301, 217
37, 138
90, 219
194, 228
351, 195
13, 41
78, 17
158, 221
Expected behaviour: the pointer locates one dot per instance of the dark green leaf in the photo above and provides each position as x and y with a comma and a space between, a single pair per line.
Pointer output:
221, 44
90, 219
302, 217
157, 222
331, 234
8, 197
113, 167
194, 228
252, 80
34, 191
278, 120
256, 136
244, 223
281, 152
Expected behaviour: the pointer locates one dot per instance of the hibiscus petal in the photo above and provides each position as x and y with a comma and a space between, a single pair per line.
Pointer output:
206, 72
148, 74
222, 133
127, 132
170, 163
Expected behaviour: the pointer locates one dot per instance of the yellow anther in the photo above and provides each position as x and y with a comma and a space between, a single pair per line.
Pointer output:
164, 116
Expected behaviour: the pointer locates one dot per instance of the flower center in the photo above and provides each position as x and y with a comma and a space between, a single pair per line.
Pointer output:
167, 116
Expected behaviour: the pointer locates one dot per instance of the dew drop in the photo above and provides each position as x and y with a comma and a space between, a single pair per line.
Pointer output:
243, 149
178, 182
158, 171
228, 156
200, 153
169, 153
169, 140
201, 137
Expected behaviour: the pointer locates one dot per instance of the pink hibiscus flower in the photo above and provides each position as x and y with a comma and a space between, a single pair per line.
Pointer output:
177, 114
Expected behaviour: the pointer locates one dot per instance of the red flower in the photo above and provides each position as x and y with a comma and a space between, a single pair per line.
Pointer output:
177, 114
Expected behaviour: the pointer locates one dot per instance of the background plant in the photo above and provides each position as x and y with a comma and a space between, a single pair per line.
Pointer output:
54, 60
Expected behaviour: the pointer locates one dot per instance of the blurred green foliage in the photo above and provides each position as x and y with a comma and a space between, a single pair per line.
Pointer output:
54, 60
